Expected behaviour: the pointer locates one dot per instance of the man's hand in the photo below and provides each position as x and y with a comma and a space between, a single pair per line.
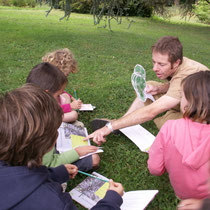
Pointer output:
72, 170
117, 187
153, 90
159, 89
84, 150
99, 135
190, 204
76, 104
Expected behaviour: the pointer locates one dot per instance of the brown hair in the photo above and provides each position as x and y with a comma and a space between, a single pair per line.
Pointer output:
47, 76
196, 88
29, 119
171, 46
63, 59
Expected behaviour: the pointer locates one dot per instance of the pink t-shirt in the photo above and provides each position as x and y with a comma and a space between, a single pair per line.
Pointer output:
182, 148
66, 107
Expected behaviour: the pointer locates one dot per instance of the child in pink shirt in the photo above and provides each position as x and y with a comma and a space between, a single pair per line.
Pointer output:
182, 147
52, 80
65, 61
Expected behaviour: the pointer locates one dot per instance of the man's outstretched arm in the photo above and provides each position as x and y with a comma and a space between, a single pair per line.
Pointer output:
139, 116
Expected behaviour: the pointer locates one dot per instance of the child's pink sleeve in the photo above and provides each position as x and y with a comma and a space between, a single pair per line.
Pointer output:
155, 162
66, 108
68, 94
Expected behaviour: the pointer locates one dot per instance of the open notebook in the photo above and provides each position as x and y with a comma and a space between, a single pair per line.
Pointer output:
71, 136
91, 190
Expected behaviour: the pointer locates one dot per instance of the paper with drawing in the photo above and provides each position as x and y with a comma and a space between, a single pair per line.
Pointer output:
71, 136
91, 190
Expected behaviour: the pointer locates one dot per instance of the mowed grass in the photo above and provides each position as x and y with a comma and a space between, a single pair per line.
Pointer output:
106, 61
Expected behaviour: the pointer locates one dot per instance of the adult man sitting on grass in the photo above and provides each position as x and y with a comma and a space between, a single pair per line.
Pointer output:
169, 65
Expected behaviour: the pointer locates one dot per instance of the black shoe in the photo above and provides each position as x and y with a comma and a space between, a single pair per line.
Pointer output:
99, 123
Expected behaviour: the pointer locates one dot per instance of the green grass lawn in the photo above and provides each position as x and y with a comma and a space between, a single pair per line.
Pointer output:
106, 61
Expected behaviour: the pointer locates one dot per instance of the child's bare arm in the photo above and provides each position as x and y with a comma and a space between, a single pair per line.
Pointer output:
72, 98
75, 104
65, 98
70, 116
84, 150
190, 204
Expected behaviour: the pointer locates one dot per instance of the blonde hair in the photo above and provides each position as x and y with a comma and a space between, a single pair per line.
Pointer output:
63, 59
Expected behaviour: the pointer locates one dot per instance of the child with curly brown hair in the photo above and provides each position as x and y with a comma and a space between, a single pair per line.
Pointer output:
65, 61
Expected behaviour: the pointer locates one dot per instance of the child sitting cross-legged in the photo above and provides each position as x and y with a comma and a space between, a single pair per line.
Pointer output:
182, 147
30, 118
65, 61
52, 80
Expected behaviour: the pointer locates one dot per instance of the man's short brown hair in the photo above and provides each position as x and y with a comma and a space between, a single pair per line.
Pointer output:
196, 88
170, 46
29, 119
47, 77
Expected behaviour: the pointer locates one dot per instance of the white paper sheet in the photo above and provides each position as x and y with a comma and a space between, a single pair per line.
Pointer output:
87, 107
137, 200
139, 136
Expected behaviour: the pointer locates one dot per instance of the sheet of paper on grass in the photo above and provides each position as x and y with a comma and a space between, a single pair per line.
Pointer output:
137, 200
87, 107
140, 136
91, 190
71, 136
